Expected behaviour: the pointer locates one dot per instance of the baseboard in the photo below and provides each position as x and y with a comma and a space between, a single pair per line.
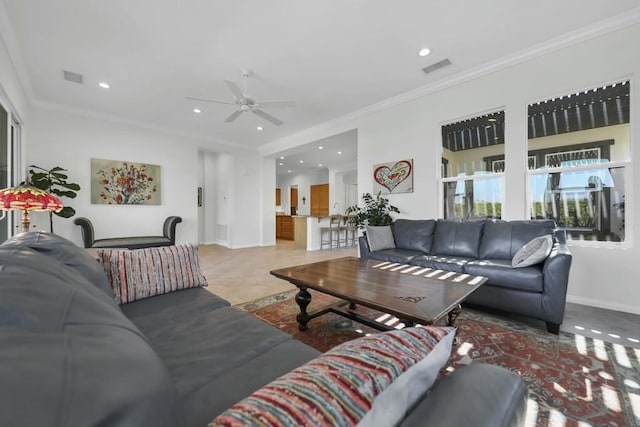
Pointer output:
604, 304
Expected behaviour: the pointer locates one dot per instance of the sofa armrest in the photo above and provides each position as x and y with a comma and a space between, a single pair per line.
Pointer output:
555, 281
478, 395
364, 247
169, 228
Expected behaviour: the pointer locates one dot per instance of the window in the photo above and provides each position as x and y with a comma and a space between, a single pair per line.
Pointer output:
581, 147
472, 167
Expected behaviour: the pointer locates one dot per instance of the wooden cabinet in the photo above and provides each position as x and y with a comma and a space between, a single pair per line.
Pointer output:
284, 227
320, 200
278, 202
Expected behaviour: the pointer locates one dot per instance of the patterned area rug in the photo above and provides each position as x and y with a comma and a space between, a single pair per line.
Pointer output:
572, 380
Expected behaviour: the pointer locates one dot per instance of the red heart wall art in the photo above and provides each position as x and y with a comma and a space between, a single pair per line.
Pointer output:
391, 177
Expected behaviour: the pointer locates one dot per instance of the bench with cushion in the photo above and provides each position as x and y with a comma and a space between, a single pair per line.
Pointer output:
168, 237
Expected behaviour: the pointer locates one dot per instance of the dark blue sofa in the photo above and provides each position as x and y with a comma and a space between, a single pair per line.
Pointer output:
486, 248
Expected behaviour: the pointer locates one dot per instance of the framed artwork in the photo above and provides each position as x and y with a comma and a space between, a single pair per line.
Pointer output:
116, 182
393, 177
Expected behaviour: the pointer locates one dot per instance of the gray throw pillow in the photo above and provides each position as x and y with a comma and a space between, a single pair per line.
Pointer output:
380, 237
535, 251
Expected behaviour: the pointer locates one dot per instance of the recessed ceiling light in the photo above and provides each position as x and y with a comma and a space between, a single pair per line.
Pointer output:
197, 110
289, 171
281, 163
259, 128
339, 152
320, 147
319, 165
424, 51
301, 161
104, 85
281, 157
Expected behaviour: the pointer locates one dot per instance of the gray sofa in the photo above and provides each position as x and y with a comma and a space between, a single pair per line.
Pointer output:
168, 237
72, 357
486, 248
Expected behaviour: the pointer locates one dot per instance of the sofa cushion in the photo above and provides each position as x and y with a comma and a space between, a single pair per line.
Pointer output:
456, 238
500, 273
401, 256
534, 252
379, 238
370, 380
187, 302
414, 234
143, 273
502, 239
442, 263
198, 349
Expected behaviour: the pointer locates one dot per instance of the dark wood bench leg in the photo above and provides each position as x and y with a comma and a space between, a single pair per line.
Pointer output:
553, 328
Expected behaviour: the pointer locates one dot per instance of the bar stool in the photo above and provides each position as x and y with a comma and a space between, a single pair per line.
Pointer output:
331, 234
351, 231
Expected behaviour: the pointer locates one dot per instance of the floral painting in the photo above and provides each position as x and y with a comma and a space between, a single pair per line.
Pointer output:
115, 182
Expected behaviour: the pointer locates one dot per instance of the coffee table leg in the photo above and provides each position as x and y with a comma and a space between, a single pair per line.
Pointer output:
453, 315
352, 306
303, 298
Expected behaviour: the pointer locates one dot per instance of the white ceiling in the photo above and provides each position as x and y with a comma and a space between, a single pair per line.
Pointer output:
333, 57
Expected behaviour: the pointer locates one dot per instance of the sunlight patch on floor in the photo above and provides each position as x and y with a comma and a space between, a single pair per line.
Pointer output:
634, 399
601, 351
532, 413
557, 418
581, 344
621, 355
610, 399
464, 348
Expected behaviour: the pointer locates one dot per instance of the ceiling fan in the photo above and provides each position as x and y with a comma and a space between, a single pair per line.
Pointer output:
245, 103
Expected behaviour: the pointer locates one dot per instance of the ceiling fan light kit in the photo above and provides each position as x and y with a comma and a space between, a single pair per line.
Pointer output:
245, 103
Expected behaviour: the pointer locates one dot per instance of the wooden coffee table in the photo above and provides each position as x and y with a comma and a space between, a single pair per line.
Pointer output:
413, 294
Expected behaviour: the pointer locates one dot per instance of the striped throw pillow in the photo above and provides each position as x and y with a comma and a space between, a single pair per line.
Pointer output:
369, 381
143, 273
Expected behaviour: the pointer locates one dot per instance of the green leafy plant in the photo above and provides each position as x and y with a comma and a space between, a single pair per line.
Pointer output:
376, 211
55, 182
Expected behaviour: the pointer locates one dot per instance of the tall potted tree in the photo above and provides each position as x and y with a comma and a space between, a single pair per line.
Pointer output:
375, 211
54, 181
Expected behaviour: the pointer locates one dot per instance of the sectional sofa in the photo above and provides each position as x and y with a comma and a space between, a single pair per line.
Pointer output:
73, 357
487, 248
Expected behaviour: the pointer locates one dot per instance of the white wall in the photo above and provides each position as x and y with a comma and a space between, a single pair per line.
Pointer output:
70, 141
599, 277
12, 95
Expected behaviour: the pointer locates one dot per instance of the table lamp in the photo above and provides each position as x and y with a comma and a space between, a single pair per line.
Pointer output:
27, 198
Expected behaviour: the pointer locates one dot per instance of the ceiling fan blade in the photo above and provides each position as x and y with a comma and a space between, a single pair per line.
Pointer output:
277, 103
266, 116
233, 116
235, 90
208, 100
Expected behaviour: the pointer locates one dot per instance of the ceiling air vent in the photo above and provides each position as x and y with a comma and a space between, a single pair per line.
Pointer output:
433, 67
72, 77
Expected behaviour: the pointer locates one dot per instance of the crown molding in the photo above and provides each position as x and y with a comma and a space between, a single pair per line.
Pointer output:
606, 26
50, 106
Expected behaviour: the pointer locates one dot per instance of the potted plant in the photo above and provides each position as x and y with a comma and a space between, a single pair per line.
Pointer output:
54, 181
376, 211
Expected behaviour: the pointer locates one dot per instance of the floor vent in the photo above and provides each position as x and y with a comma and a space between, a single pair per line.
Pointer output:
72, 77
436, 66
